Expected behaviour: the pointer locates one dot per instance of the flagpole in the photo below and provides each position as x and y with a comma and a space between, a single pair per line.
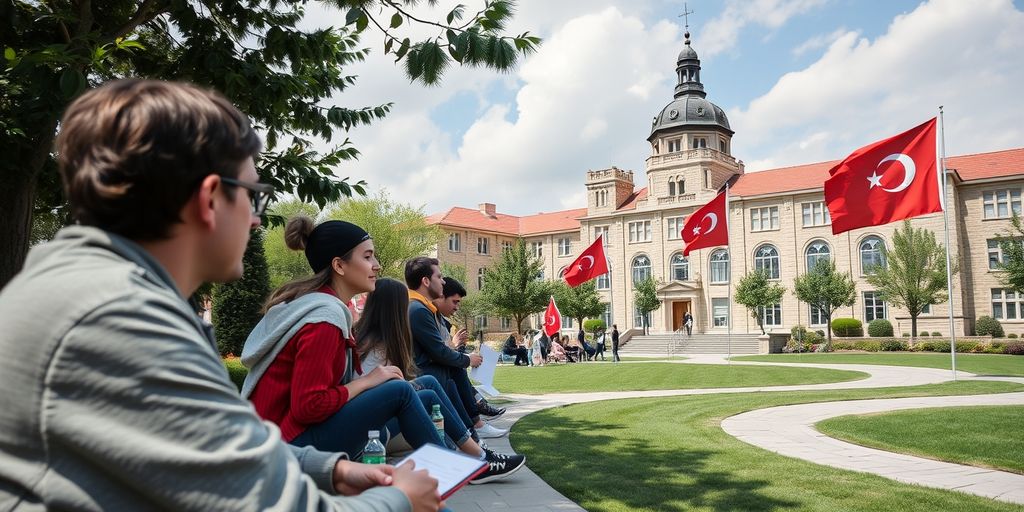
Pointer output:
945, 222
728, 359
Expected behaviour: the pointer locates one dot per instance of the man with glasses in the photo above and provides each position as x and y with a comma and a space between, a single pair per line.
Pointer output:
115, 397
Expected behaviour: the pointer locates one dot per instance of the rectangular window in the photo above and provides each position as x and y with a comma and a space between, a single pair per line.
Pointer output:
604, 281
998, 204
700, 142
675, 227
602, 231
640, 231
675, 145
720, 312
996, 256
607, 317
537, 248
874, 307
723, 145
483, 246
454, 242
764, 219
506, 245
707, 178
564, 247
640, 320
1006, 304
927, 309
566, 322
817, 316
506, 322
772, 315
481, 321
816, 214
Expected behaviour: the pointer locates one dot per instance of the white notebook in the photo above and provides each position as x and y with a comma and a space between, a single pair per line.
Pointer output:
451, 469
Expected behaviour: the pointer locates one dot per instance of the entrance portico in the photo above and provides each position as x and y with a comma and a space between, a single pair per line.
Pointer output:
678, 298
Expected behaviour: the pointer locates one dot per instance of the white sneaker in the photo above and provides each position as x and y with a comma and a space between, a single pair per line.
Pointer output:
489, 432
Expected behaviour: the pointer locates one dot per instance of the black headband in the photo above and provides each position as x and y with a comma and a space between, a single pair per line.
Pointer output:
332, 239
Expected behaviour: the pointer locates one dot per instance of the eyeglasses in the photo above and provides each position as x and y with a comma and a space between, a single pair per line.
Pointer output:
259, 194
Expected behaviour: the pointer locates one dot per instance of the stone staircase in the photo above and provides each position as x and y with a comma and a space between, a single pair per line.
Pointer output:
664, 344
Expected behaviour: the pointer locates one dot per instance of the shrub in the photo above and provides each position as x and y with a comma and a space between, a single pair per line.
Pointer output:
799, 332
867, 345
236, 371
843, 345
847, 327
238, 306
820, 333
906, 335
892, 345
988, 326
879, 328
936, 333
924, 333
1015, 348
1012, 335
996, 347
593, 324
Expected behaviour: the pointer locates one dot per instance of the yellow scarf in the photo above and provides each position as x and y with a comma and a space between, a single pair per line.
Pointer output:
414, 295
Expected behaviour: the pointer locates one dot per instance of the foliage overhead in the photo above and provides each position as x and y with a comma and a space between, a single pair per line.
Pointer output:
255, 52
756, 292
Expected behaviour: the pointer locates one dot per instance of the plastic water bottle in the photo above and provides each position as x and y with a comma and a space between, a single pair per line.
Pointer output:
438, 419
373, 453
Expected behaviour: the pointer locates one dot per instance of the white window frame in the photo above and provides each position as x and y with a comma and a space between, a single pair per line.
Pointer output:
640, 268
602, 230
604, 281
766, 257
876, 248
480, 321
815, 214
506, 322
814, 311
699, 142
638, 318
675, 145
454, 242
506, 245
537, 248
1001, 204
771, 316
812, 258
873, 305
765, 218
1006, 304
607, 317
480, 279
677, 267
674, 227
483, 245
720, 312
639, 231
719, 259
564, 247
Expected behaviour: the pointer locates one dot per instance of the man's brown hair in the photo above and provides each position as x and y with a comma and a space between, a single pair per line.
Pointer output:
418, 268
132, 152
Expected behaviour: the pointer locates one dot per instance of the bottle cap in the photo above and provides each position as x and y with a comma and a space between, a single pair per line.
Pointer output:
374, 433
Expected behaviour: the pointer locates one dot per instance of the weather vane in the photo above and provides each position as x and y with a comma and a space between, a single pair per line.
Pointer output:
686, 16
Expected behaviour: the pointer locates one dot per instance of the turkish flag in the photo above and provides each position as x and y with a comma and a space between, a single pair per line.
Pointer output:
706, 227
589, 265
552, 319
890, 180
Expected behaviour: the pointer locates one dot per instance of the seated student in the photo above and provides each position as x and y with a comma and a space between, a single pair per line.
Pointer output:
303, 369
115, 395
556, 352
581, 339
572, 352
512, 348
384, 338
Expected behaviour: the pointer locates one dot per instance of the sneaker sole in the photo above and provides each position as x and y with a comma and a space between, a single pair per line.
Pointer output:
492, 478
491, 436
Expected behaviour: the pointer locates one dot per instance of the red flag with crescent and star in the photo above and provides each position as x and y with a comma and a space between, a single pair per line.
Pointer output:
706, 227
892, 179
552, 319
589, 265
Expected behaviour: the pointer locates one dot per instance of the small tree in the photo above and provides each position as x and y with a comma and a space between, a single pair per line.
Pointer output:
579, 302
914, 274
237, 306
400, 231
1013, 256
756, 292
826, 289
512, 286
283, 263
646, 298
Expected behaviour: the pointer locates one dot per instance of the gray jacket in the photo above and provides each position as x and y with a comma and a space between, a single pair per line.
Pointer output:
114, 397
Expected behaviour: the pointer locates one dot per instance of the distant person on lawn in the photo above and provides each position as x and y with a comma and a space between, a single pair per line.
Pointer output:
115, 397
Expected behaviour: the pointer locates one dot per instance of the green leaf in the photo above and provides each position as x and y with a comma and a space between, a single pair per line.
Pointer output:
72, 82
362, 22
402, 49
387, 44
396, 20
353, 15
9, 53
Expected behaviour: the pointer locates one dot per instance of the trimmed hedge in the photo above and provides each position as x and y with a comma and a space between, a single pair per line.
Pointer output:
847, 327
988, 326
1015, 348
879, 328
236, 371
593, 324
893, 345
898, 345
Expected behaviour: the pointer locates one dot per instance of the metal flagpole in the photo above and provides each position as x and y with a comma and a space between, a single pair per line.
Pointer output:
728, 359
945, 222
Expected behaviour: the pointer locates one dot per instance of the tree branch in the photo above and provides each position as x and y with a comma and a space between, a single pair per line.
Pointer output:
60, 22
142, 15
84, 19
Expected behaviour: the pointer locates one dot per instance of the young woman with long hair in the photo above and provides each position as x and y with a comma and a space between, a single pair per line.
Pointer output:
384, 338
304, 371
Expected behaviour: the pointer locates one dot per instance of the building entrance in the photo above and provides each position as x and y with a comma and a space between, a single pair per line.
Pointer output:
679, 310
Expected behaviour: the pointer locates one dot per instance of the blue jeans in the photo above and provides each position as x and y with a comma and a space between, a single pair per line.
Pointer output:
345, 430
431, 393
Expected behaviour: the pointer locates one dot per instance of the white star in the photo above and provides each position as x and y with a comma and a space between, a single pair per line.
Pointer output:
875, 179
579, 267
696, 230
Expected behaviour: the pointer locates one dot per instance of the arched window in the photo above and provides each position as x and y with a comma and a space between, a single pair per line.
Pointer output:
480, 279
680, 185
671, 188
680, 267
817, 251
720, 266
641, 268
871, 254
766, 258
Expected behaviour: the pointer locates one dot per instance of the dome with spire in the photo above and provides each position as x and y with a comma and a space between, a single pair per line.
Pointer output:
690, 108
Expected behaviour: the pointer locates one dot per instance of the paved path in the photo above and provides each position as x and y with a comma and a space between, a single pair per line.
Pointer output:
526, 491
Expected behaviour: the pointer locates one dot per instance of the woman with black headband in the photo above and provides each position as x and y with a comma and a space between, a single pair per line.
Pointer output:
304, 372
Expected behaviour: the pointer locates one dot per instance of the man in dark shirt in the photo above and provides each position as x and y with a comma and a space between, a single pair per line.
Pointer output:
615, 343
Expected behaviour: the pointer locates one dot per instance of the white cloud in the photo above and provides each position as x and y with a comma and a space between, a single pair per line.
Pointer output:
817, 42
964, 55
721, 33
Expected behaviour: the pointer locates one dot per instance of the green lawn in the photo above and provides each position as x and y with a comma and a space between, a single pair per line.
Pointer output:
986, 436
982, 364
670, 454
588, 377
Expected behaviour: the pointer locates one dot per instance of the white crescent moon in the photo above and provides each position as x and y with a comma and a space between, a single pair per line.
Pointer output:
909, 170
714, 221
551, 321
591, 260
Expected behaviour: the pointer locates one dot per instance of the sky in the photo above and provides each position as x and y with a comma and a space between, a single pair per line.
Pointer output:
801, 81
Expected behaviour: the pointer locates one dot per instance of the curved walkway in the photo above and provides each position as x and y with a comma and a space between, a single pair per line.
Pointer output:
527, 491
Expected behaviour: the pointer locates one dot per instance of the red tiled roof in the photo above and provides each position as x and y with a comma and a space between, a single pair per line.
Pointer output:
630, 202
565, 220
988, 165
812, 176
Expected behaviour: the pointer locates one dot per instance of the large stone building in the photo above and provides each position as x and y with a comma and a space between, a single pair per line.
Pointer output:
777, 221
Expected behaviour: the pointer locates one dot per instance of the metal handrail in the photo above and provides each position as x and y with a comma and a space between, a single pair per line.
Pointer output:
677, 339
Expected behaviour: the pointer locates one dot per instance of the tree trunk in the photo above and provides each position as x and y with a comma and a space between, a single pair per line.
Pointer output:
913, 330
17, 191
828, 333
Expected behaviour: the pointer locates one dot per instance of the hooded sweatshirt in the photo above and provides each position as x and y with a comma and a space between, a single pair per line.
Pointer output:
115, 397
